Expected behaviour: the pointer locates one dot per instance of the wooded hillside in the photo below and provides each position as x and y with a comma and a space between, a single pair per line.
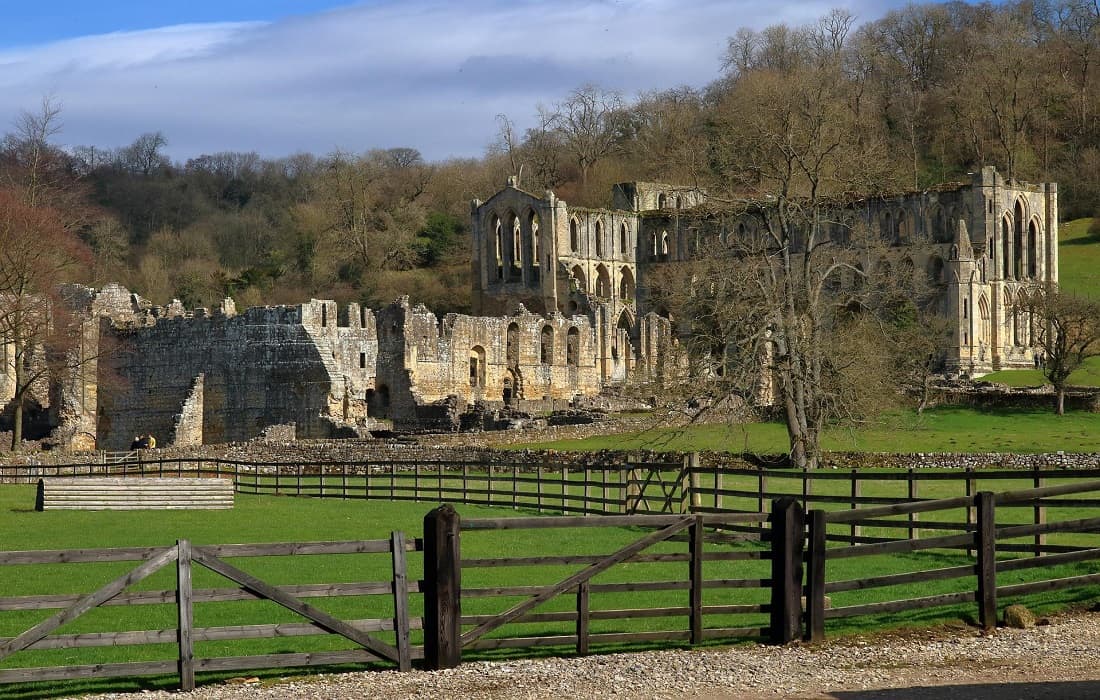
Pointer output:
937, 91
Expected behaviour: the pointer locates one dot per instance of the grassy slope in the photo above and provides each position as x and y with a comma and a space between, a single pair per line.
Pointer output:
946, 429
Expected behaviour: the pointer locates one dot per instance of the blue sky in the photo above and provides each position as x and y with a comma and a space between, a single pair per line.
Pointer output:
283, 76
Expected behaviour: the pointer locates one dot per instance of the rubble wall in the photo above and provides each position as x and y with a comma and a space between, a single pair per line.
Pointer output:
261, 368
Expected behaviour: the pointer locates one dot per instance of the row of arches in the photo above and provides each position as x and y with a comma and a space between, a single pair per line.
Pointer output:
546, 342
1019, 245
515, 246
1019, 322
602, 239
665, 201
602, 284
658, 246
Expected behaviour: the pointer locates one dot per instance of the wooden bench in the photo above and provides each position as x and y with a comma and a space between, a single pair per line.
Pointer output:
119, 493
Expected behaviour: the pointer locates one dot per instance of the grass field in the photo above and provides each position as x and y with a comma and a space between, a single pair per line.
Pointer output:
947, 429
260, 519
1079, 259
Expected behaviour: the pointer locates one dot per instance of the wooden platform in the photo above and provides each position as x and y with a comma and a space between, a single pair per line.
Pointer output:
120, 493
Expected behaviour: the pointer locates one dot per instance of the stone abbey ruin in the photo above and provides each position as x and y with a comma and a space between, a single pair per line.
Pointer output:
562, 315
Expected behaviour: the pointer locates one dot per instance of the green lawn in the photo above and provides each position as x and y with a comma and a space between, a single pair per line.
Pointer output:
1088, 374
947, 429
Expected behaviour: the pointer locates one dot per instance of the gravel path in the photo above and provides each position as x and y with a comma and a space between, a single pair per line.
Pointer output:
1059, 661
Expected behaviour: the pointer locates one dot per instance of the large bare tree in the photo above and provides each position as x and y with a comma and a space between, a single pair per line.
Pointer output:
590, 123
801, 292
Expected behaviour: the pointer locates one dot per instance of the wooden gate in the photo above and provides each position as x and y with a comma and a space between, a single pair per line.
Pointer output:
249, 587
450, 629
655, 491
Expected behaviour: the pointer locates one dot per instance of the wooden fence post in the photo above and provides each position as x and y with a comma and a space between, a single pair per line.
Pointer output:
968, 486
442, 589
855, 531
400, 601
1039, 516
488, 482
761, 489
693, 497
633, 491
911, 494
186, 616
585, 505
787, 544
807, 488
564, 489
583, 614
986, 543
538, 487
695, 603
815, 578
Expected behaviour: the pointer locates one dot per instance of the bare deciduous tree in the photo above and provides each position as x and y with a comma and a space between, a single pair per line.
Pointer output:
1067, 332
590, 122
36, 255
368, 212
803, 294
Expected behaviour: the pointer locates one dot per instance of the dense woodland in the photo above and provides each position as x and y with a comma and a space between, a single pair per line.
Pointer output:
931, 92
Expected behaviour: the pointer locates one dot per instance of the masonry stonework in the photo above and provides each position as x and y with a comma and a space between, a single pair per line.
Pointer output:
982, 244
200, 377
562, 315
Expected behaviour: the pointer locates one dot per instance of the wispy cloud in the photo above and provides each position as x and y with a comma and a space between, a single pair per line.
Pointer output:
430, 74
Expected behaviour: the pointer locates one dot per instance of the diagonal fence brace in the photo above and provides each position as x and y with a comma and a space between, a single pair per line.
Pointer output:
88, 602
587, 574
321, 618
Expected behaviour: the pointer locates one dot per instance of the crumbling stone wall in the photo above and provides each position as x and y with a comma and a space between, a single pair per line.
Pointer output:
197, 378
260, 368
188, 428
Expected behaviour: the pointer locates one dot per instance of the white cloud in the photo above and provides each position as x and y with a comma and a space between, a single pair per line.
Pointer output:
430, 74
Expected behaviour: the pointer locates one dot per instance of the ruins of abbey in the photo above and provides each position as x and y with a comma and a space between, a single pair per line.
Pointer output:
562, 314
981, 243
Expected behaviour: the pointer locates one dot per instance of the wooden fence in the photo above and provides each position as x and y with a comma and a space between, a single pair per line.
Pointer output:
989, 540
471, 604
184, 596
556, 486
983, 536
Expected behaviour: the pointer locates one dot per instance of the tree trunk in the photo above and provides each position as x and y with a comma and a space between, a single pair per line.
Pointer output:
924, 391
19, 347
1060, 407
17, 424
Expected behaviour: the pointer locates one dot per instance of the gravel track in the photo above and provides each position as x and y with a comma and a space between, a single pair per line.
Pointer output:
1057, 661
